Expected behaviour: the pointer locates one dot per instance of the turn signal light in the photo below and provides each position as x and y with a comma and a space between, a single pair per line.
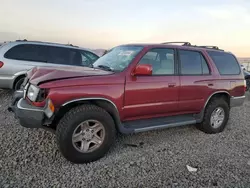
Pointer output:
50, 109
51, 106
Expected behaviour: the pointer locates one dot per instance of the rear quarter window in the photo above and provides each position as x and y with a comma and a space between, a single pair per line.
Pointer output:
226, 63
28, 52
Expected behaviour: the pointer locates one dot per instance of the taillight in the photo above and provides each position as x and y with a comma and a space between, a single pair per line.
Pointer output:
245, 85
1, 64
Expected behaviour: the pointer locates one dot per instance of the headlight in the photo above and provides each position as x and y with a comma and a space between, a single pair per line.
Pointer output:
33, 92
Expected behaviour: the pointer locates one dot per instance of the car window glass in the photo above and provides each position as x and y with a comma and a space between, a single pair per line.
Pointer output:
60, 55
28, 52
226, 63
118, 58
86, 60
205, 69
90, 55
192, 63
75, 58
150, 55
161, 60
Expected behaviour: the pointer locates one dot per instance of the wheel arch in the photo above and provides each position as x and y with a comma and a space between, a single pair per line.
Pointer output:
104, 103
217, 94
18, 77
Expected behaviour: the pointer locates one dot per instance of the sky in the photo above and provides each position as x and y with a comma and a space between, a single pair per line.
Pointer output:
108, 23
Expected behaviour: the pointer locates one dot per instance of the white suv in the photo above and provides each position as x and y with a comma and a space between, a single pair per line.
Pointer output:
17, 57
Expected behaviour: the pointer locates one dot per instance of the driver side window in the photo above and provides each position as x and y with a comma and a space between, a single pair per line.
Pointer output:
161, 60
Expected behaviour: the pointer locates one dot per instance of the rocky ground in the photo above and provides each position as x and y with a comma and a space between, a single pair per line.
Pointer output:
30, 158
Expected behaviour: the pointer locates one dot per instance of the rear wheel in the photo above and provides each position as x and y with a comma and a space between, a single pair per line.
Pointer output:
85, 134
215, 117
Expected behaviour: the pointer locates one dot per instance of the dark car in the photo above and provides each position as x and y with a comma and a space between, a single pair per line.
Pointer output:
133, 88
247, 78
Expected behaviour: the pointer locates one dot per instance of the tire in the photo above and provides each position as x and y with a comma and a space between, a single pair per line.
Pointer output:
69, 123
207, 126
18, 83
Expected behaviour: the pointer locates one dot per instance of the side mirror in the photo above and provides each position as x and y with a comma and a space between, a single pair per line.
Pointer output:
143, 70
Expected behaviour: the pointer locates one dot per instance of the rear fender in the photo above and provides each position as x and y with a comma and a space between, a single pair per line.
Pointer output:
199, 117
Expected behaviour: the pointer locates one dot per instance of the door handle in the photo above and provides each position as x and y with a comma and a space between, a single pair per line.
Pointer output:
171, 84
210, 84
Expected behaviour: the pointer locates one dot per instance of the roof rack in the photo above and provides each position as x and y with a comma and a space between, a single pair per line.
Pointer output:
212, 47
189, 44
25, 40
71, 45
184, 43
21, 40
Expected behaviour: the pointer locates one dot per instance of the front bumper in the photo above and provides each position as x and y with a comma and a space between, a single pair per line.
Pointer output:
28, 115
237, 101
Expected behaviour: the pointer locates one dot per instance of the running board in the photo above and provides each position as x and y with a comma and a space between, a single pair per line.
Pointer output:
137, 126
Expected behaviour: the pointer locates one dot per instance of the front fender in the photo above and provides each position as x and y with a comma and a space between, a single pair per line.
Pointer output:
17, 75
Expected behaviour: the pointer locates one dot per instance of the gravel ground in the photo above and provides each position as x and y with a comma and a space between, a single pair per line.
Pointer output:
29, 158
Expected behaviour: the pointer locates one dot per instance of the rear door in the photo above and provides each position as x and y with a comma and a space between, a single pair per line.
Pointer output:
155, 95
196, 80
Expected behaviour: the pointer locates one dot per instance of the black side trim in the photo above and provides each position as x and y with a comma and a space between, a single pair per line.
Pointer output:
156, 123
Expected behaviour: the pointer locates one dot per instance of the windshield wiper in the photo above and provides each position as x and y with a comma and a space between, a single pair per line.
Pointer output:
104, 67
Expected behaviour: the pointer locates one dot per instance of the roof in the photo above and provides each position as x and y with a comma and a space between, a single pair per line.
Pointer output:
184, 45
48, 43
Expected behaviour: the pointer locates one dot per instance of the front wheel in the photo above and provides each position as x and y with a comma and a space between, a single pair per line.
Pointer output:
215, 117
85, 134
18, 84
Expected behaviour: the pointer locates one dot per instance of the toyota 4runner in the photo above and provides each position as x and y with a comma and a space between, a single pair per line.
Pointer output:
133, 88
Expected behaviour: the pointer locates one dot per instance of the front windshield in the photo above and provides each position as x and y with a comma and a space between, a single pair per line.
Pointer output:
118, 58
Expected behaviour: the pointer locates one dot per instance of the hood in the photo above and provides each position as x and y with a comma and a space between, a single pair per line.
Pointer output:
39, 75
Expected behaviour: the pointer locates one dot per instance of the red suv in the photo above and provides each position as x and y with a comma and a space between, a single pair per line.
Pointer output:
133, 88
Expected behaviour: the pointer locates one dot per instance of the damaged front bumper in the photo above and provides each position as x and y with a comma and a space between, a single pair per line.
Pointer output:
28, 115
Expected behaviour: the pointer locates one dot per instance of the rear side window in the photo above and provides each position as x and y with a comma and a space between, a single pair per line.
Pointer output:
226, 63
65, 56
28, 52
68, 56
59, 55
192, 63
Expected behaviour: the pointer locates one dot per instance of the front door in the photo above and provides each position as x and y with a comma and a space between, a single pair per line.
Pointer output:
155, 95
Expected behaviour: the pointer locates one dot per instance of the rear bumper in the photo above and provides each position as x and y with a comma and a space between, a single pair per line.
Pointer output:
30, 116
237, 101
